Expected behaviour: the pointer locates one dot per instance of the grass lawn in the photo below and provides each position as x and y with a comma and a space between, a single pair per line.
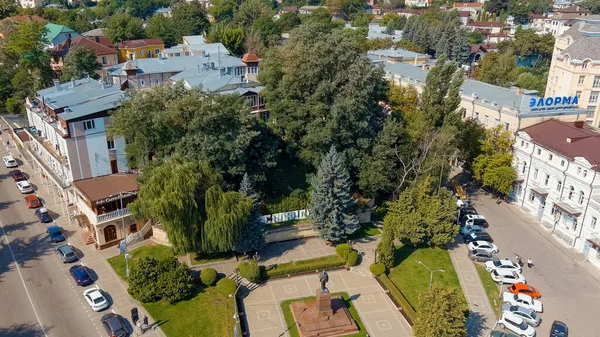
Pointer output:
202, 259
206, 314
365, 230
155, 250
291, 323
412, 278
491, 288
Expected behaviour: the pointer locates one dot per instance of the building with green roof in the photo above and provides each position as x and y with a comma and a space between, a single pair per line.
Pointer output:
56, 34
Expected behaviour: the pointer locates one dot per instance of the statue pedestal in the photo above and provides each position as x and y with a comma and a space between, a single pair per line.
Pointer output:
323, 303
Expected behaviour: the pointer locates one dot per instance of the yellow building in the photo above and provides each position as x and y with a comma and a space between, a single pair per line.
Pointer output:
140, 49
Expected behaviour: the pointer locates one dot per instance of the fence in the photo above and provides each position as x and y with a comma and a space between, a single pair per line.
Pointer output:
286, 216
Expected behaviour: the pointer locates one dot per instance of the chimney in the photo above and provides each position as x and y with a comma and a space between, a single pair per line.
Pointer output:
57, 85
578, 124
73, 82
97, 38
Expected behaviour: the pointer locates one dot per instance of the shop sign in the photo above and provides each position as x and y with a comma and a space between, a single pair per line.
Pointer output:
115, 198
553, 102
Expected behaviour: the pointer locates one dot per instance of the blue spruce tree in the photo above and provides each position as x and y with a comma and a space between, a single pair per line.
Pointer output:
252, 237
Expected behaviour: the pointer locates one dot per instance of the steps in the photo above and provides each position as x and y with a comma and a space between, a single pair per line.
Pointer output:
87, 238
240, 280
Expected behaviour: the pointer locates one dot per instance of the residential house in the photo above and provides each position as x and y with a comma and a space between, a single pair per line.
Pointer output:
57, 34
472, 7
560, 23
106, 54
464, 17
486, 26
399, 55
575, 66
140, 49
31, 3
498, 37
479, 50
572, 9
418, 3
558, 168
195, 45
94, 32
20, 19
307, 10
288, 9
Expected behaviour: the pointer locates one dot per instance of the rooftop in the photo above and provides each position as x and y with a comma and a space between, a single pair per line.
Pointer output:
94, 32
484, 24
567, 139
467, 4
198, 49
74, 92
194, 39
176, 64
140, 43
53, 30
585, 34
112, 100
106, 187
99, 48
398, 52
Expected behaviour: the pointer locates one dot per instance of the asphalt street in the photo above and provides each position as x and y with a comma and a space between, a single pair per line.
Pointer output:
569, 292
39, 298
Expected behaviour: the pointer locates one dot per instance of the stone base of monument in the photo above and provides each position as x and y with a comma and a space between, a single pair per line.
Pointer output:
323, 317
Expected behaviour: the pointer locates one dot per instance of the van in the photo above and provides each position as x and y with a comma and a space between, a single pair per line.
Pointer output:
476, 219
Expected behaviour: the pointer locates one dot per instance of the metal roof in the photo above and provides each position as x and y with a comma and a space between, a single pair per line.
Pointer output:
111, 101
176, 64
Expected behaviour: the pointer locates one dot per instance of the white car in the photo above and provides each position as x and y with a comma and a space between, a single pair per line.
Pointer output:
502, 264
523, 300
484, 245
9, 161
507, 276
24, 186
510, 321
95, 299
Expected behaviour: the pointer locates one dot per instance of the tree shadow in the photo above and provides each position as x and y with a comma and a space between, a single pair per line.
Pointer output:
5, 204
24, 250
403, 253
279, 249
15, 227
477, 325
24, 330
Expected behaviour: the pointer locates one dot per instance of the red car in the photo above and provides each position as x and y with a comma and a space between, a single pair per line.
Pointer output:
522, 288
17, 175
32, 201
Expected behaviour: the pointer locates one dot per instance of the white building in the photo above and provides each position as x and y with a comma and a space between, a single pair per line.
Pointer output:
30, 3
558, 166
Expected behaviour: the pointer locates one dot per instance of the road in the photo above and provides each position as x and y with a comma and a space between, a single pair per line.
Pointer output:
38, 295
569, 292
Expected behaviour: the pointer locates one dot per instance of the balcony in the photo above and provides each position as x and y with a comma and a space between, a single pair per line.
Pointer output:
112, 215
54, 165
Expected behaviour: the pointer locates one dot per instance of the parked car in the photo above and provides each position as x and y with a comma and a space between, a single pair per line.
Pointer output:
507, 276
476, 219
96, 299
559, 329
463, 212
43, 215
502, 264
55, 234
113, 325
521, 288
480, 255
468, 229
523, 300
515, 324
9, 161
81, 275
66, 253
485, 246
32, 201
477, 237
24, 186
17, 175
502, 334
529, 316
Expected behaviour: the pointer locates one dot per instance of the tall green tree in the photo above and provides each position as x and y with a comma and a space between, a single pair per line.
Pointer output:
496, 68
162, 27
250, 10
270, 31
223, 10
252, 237
151, 280
592, 5
386, 248
8, 8
230, 36
495, 6
122, 27
79, 62
422, 217
190, 18
493, 167
288, 21
332, 207
441, 313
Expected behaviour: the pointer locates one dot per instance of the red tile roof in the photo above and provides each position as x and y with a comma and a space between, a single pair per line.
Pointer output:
250, 58
499, 35
140, 43
567, 139
100, 49
464, 14
467, 4
484, 24
25, 18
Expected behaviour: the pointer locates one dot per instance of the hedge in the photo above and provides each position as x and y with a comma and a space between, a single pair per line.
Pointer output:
353, 258
249, 270
377, 268
342, 250
295, 267
286, 204
399, 297
226, 286
208, 276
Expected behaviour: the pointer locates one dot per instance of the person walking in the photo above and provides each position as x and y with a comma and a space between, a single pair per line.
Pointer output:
145, 322
529, 263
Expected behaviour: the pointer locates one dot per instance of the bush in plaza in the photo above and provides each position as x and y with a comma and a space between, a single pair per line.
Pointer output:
226, 286
295, 267
377, 268
250, 271
352, 258
342, 250
209, 276
151, 280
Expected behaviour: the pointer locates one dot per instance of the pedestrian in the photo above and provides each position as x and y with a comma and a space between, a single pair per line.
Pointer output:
140, 328
145, 322
529, 263
518, 258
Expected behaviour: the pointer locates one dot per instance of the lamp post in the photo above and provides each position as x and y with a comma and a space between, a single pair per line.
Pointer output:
431, 272
124, 237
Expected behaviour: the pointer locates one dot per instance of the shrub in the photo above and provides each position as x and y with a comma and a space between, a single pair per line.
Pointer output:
151, 280
294, 267
250, 271
342, 250
209, 276
377, 268
295, 201
226, 286
353, 258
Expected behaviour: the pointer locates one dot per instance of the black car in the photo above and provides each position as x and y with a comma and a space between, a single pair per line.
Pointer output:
463, 212
113, 325
559, 329
43, 215
502, 334
480, 255
477, 237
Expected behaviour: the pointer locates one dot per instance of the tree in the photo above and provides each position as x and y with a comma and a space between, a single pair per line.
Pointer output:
254, 44
253, 234
173, 192
441, 313
122, 27
519, 9
226, 215
496, 68
362, 20
230, 36
495, 6
143, 277
469, 146
250, 10
493, 167
270, 31
321, 90
410, 46
592, 5
162, 27
475, 37
351, 8
386, 248
190, 18
333, 208
223, 10
151, 280
530, 81
142, 8
422, 217
288, 21
80, 61
7, 8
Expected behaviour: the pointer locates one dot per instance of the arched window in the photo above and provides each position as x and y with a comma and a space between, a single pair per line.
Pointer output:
110, 233
571, 192
581, 197
585, 64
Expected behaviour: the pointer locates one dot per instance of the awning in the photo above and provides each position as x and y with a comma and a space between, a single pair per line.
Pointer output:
567, 209
105, 189
595, 241
539, 191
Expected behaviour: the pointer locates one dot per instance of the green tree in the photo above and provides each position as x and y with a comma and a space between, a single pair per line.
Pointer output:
592, 5
141, 8
475, 37
410, 46
253, 234
469, 145
493, 167
80, 61
519, 9
530, 81
288, 21
441, 313
209, 276
495, 6
122, 27
420, 216
8, 8
386, 249
250, 10
173, 192
227, 213
143, 276
223, 10
230, 36
190, 18
175, 280
270, 31
162, 27
333, 208
496, 68
362, 20
254, 44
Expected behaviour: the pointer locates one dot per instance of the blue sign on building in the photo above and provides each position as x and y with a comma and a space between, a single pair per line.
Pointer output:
553, 102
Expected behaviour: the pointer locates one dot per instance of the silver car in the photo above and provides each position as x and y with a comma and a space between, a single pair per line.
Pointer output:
529, 316
66, 253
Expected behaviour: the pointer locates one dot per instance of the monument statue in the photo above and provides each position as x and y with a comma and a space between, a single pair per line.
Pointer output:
324, 278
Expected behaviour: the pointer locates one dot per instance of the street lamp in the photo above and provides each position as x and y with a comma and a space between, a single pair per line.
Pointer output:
124, 236
431, 272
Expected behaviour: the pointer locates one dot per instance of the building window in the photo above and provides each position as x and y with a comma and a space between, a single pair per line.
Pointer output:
581, 197
531, 196
550, 156
477, 115
596, 82
579, 170
547, 180
585, 65
522, 143
110, 144
486, 119
584, 173
506, 126
157, 51
104, 61
571, 192
592, 111
535, 173
562, 162
558, 186
252, 70
524, 167
582, 79
252, 100
574, 224
539, 152
89, 125
239, 71
261, 100
578, 94
593, 222
594, 97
